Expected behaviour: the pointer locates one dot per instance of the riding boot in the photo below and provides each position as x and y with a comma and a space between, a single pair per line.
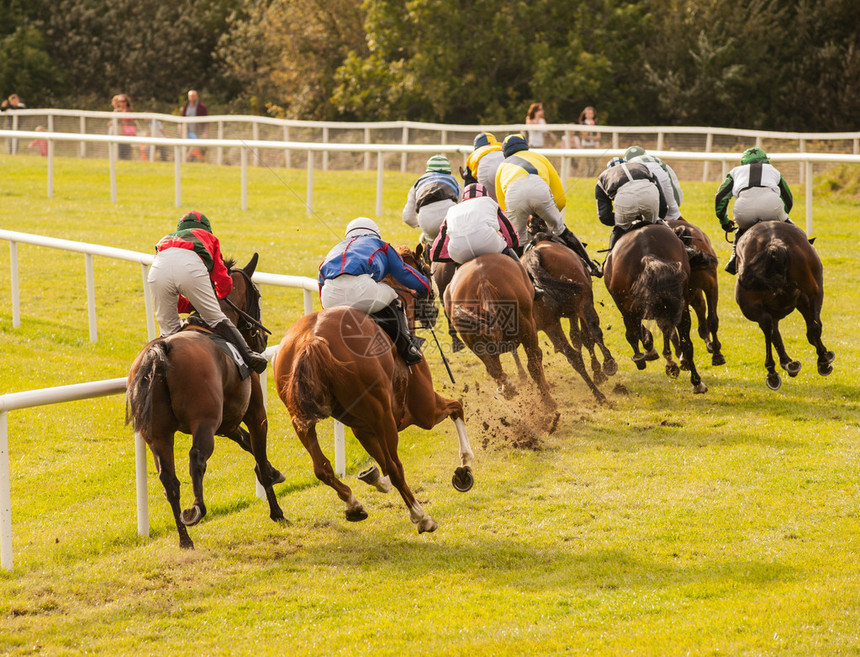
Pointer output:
572, 242
392, 319
539, 291
732, 264
617, 232
230, 333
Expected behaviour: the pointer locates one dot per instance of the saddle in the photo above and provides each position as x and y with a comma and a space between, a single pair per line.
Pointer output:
195, 323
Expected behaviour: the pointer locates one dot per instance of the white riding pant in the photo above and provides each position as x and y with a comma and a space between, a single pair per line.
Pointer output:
758, 204
487, 167
178, 271
360, 292
637, 198
430, 218
531, 195
483, 239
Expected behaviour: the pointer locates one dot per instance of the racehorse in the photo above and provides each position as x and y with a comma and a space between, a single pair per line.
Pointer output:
339, 363
489, 301
184, 382
778, 271
567, 293
704, 290
647, 274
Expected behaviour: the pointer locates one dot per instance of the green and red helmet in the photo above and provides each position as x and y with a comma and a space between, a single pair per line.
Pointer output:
194, 219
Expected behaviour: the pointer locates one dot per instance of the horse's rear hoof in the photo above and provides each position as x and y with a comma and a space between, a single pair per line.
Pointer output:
610, 368
652, 354
824, 369
639, 359
191, 517
672, 370
700, 389
427, 525
277, 477
829, 357
792, 367
463, 480
718, 359
356, 515
773, 381
186, 544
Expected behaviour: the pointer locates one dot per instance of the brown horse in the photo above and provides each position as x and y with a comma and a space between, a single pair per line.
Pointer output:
489, 301
339, 363
647, 274
568, 293
184, 382
778, 271
704, 290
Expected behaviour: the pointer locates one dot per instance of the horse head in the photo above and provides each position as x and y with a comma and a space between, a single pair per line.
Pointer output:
244, 302
424, 311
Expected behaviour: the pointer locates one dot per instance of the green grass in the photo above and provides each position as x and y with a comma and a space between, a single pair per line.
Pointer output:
724, 523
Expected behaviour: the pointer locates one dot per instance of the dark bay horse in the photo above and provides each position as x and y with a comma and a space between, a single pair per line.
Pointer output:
489, 301
704, 289
778, 271
568, 293
647, 274
184, 382
339, 363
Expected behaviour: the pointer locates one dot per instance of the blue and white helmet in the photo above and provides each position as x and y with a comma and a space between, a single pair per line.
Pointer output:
362, 226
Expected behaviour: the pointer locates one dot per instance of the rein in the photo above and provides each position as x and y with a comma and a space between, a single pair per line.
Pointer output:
250, 299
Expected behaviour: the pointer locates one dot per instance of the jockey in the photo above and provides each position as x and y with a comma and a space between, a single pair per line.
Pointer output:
351, 275
761, 192
474, 227
484, 161
430, 198
526, 184
665, 177
187, 266
629, 187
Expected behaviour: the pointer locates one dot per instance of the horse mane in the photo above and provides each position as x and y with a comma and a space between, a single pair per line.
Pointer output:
660, 288
152, 367
229, 263
767, 269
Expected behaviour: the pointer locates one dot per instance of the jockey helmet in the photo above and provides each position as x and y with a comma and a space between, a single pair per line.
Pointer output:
194, 219
362, 226
485, 139
634, 151
438, 164
753, 155
475, 190
614, 162
513, 144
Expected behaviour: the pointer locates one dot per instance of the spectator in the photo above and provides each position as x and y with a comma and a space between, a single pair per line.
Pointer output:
41, 144
587, 116
194, 130
13, 102
535, 116
127, 127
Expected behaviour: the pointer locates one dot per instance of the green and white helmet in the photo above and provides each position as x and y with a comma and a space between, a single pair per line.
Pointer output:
438, 164
753, 155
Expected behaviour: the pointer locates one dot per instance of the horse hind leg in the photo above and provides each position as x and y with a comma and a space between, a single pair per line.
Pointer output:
766, 323
812, 316
242, 438
202, 446
715, 348
686, 345
257, 421
325, 473
786, 362
574, 357
162, 454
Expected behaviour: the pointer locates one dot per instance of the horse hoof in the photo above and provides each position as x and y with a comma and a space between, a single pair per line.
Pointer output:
824, 369
369, 476
710, 347
186, 544
356, 515
599, 378
508, 390
718, 359
554, 425
427, 525
700, 389
191, 517
610, 368
774, 382
463, 480
793, 368
277, 477
829, 357
639, 359
672, 370
652, 354
685, 366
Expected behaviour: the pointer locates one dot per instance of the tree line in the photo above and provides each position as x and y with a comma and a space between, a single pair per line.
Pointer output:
763, 64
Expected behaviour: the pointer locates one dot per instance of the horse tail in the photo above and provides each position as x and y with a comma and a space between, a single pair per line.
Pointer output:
151, 368
480, 315
307, 394
559, 291
700, 260
767, 269
660, 286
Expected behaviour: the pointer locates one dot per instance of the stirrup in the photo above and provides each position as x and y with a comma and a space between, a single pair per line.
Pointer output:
732, 266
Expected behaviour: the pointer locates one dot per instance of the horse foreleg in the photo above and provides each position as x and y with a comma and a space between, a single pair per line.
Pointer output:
785, 361
380, 442
669, 337
714, 346
766, 324
493, 365
521, 373
812, 315
687, 349
534, 357
202, 446
634, 331
242, 438
574, 357
592, 335
325, 473
258, 424
162, 454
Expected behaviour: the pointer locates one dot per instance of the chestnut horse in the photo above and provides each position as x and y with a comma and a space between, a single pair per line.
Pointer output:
778, 271
489, 301
704, 290
567, 293
339, 363
647, 274
184, 382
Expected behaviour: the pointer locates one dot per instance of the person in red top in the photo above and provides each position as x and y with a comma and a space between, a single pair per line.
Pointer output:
187, 265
